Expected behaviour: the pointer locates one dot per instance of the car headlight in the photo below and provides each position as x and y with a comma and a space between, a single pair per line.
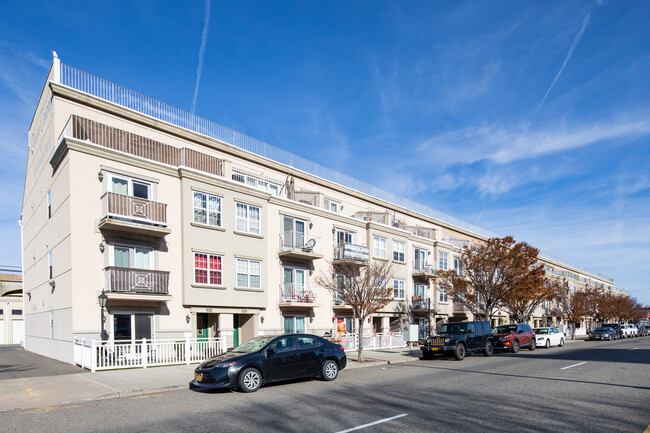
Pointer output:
226, 364
447, 341
504, 338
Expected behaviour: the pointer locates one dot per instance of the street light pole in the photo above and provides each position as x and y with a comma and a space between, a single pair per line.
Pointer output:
102, 303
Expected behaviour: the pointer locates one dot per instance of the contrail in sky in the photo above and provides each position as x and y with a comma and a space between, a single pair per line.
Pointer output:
566, 60
204, 38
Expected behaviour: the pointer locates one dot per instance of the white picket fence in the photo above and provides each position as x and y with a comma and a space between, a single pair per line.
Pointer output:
110, 355
388, 340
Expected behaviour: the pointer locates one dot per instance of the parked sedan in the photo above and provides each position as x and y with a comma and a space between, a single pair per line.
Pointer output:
548, 336
512, 337
644, 330
603, 334
271, 358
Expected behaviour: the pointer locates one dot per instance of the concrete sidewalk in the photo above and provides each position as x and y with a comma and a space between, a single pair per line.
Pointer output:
50, 391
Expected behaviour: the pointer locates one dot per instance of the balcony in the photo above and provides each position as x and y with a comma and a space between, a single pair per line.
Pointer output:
350, 252
140, 284
294, 246
420, 303
460, 308
135, 215
423, 270
296, 295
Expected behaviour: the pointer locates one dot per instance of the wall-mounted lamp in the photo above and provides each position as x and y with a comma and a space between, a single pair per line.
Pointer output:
102, 247
311, 225
262, 319
333, 230
100, 176
29, 296
188, 318
311, 319
52, 284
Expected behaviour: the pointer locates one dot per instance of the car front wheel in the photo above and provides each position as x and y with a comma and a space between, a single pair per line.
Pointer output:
561, 342
533, 344
459, 351
548, 343
250, 380
330, 370
515, 346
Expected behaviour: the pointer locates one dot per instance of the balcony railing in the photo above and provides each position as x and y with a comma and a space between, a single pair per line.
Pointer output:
423, 268
134, 208
354, 252
292, 292
460, 307
129, 280
422, 303
293, 241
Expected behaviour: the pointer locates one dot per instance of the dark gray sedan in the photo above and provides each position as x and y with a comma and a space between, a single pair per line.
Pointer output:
603, 334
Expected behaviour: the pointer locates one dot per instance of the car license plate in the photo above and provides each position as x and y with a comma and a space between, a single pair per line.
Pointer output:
434, 349
199, 377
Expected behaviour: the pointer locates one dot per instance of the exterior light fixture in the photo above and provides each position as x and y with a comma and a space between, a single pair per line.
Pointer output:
188, 318
262, 319
102, 300
102, 247
100, 176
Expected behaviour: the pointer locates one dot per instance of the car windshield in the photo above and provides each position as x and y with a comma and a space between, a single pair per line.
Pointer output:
255, 344
505, 329
541, 331
601, 330
453, 328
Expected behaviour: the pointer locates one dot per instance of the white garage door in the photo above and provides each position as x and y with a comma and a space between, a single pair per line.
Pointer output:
18, 332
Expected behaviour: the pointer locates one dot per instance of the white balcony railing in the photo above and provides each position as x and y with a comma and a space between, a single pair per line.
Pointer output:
423, 268
345, 251
293, 240
109, 355
292, 292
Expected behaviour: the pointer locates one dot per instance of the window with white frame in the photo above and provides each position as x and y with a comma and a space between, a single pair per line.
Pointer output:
399, 289
207, 209
128, 186
443, 295
125, 256
208, 269
344, 237
379, 247
398, 251
256, 181
332, 205
49, 265
458, 266
443, 259
248, 218
249, 273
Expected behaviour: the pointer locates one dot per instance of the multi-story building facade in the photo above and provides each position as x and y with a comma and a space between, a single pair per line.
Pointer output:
12, 329
191, 229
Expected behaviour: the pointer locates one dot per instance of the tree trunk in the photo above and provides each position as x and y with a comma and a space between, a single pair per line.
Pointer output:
360, 351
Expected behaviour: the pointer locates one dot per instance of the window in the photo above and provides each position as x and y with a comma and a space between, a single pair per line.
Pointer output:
294, 233
420, 260
207, 209
457, 266
398, 289
294, 324
398, 251
295, 286
344, 237
16, 312
132, 327
419, 290
132, 257
257, 181
332, 205
249, 273
248, 218
443, 295
379, 247
49, 265
307, 342
127, 186
442, 262
49, 204
207, 269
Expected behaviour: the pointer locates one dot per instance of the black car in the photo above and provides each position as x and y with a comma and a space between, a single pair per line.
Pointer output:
616, 327
459, 339
603, 333
271, 358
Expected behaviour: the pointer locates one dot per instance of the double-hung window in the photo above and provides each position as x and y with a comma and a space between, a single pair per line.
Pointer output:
248, 219
332, 205
249, 273
128, 186
379, 247
443, 258
457, 266
132, 257
443, 295
208, 269
398, 251
398, 289
207, 209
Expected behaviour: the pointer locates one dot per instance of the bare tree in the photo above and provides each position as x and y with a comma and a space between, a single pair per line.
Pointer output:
364, 287
491, 273
534, 289
573, 307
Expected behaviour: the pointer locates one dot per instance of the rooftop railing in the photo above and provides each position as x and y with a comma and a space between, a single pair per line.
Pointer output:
95, 86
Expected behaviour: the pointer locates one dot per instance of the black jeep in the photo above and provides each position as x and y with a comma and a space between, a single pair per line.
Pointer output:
459, 339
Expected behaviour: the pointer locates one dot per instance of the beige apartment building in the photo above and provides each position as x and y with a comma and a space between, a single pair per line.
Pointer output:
191, 229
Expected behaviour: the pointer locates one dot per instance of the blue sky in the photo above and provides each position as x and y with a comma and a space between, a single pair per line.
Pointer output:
526, 118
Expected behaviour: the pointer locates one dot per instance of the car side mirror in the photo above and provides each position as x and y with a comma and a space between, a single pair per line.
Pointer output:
270, 351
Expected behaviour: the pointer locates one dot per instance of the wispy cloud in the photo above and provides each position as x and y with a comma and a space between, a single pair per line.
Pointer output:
204, 39
566, 60
21, 52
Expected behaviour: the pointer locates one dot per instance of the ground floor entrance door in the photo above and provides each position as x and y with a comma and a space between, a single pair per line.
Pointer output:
202, 326
235, 332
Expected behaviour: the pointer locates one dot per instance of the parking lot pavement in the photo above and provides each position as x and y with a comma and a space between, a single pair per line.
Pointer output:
16, 362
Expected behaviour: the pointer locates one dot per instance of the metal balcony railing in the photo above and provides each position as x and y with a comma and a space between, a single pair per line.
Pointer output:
293, 240
292, 292
423, 303
423, 268
346, 251
130, 280
134, 208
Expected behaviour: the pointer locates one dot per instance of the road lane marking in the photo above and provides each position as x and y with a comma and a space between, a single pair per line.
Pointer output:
372, 423
574, 365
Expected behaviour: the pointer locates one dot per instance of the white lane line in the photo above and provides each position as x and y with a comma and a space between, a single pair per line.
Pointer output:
634, 348
574, 365
372, 423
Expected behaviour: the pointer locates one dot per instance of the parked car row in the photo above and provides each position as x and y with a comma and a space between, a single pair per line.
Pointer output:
614, 331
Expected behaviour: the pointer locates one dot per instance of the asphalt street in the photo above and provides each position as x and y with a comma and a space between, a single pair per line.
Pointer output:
585, 387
